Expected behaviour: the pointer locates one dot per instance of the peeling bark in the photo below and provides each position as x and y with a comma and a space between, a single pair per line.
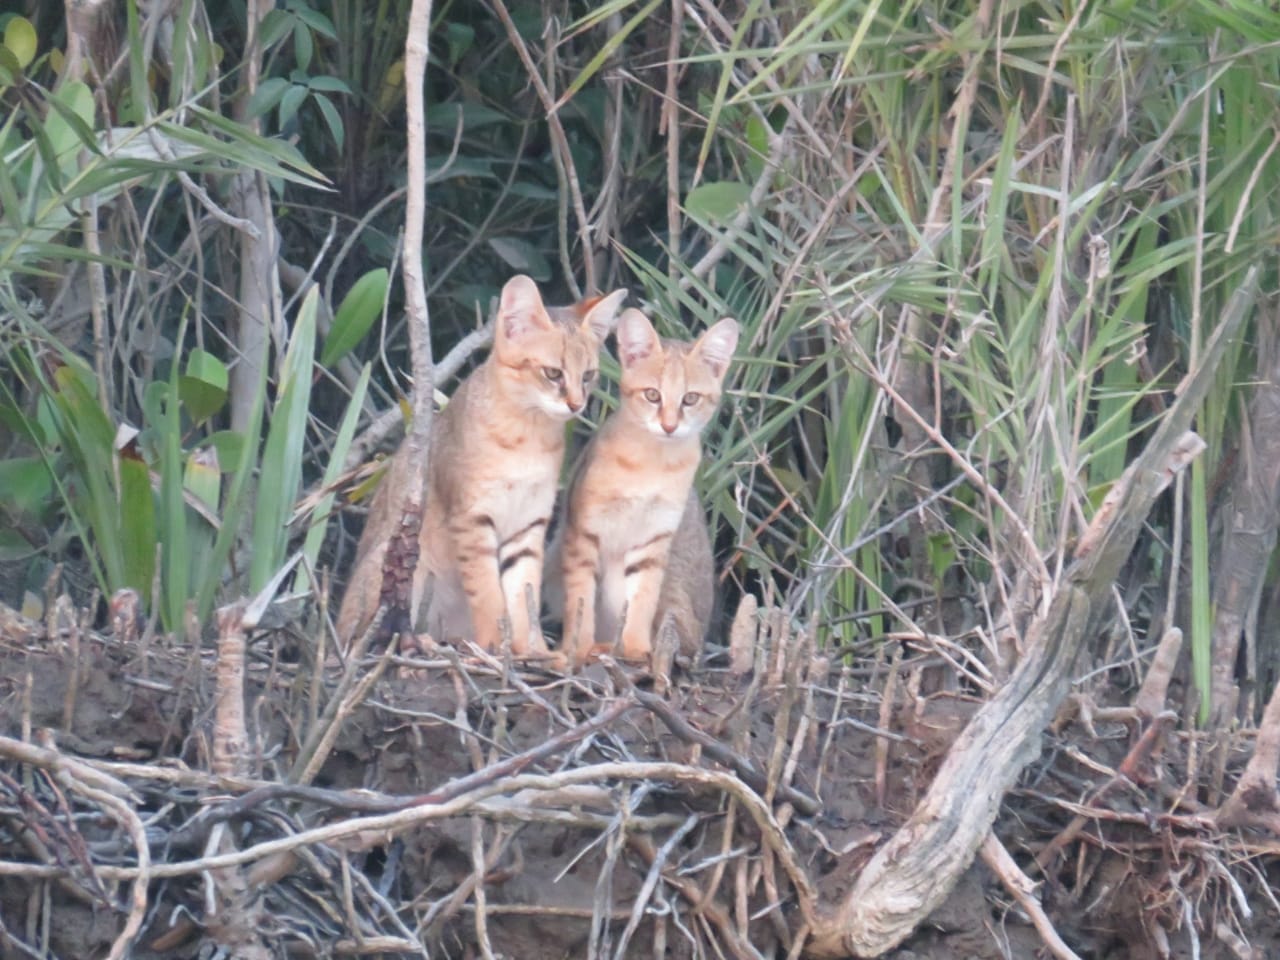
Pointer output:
1251, 515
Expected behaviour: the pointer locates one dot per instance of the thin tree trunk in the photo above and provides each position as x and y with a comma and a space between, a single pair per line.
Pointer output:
259, 304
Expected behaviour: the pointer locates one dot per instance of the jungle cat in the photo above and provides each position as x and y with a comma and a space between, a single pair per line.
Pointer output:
493, 470
634, 550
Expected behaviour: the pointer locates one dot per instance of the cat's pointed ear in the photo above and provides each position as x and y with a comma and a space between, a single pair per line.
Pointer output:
520, 309
601, 313
636, 338
717, 344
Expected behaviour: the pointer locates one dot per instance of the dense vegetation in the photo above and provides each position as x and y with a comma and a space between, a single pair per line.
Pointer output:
974, 247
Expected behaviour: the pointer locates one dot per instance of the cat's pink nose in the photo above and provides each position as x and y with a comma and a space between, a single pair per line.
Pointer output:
669, 427
574, 405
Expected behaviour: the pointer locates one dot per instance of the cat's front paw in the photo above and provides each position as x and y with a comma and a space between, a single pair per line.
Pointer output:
636, 646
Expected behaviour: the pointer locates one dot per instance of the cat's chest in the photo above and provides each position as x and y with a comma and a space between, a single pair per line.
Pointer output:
515, 499
622, 516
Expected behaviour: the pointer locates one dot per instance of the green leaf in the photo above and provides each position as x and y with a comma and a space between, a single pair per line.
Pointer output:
230, 447
460, 37
942, 553
69, 126
245, 147
443, 117
314, 19
757, 136
202, 477
283, 454
275, 25
360, 308
137, 522
20, 40
717, 202
25, 484
290, 102
203, 388
615, 40
175, 539
139, 108
202, 484
267, 95
303, 45
328, 84
531, 190
332, 118
521, 256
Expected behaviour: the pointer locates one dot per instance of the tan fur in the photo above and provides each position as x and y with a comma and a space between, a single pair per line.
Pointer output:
494, 465
635, 548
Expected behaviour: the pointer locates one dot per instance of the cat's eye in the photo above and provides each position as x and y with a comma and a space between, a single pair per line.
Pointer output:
691, 398
652, 395
588, 376
554, 374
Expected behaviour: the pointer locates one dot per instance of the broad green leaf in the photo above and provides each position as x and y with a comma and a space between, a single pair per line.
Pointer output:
202, 477
717, 202
25, 484
275, 25
267, 95
327, 84
460, 37
314, 19
204, 386
202, 483
20, 40
14, 546
332, 119
88, 438
290, 102
360, 308
153, 400
230, 447
69, 125
282, 457
303, 45
137, 522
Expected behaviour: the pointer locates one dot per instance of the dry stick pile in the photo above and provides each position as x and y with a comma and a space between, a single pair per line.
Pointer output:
195, 822
701, 814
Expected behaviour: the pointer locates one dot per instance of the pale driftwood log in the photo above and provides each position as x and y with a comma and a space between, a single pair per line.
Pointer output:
915, 871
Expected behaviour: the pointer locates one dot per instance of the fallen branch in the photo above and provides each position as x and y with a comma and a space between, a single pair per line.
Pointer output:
915, 871
1022, 888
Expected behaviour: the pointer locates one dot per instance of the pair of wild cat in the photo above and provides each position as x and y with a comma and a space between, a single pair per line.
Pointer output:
632, 552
